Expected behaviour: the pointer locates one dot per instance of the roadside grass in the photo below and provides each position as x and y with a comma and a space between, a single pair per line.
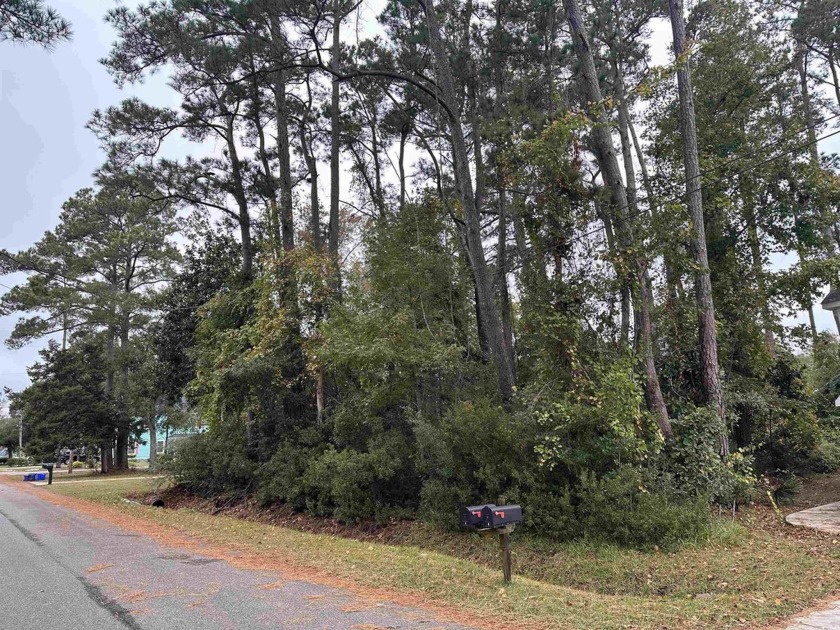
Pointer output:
750, 573
111, 489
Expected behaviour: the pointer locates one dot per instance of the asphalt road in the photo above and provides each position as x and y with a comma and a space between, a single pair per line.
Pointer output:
62, 569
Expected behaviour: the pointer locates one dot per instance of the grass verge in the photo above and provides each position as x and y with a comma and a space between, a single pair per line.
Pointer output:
750, 574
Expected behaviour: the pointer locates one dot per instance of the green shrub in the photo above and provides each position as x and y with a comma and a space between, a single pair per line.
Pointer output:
440, 501
476, 452
280, 480
20, 461
777, 419
351, 485
625, 509
551, 513
598, 426
212, 462
825, 456
796, 435
694, 463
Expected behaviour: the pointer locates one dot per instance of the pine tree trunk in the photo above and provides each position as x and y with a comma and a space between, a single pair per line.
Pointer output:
673, 283
105, 447
624, 135
814, 154
757, 264
834, 75
153, 443
238, 193
319, 395
605, 155
379, 194
314, 204
632, 205
156, 411
335, 139
502, 205
501, 276
287, 227
709, 366
486, 308
403, 138
121, 452
624, 289
107, 444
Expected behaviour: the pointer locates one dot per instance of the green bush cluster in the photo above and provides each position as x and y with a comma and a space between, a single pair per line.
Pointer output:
413, 424
787, 419
20, 461
628, 509
475, 452
694, 465
213, 462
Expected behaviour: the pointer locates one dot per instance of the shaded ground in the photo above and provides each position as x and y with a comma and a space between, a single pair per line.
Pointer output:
246, 508
817, 490
72, 569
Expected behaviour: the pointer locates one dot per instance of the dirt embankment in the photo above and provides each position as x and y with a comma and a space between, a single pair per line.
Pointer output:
246, 507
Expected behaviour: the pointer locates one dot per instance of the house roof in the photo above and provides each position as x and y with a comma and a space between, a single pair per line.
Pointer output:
832, 300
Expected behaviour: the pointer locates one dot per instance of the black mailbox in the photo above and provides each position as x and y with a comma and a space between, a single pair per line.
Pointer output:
49, 469
471, 515
495, 516
490, 519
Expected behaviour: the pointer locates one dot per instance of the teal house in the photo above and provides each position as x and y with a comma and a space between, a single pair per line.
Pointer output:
165, 438
142, 448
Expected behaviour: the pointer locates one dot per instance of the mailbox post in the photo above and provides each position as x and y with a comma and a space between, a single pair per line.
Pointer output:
489, 519
49, 469
504, 543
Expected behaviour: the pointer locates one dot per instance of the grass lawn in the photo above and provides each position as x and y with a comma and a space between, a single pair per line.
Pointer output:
752, 572
112, 489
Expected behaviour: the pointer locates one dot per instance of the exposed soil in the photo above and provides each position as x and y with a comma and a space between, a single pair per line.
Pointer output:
246, 508
817, 490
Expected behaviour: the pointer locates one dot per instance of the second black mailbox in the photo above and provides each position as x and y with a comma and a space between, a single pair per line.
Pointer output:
495, 516
471, 515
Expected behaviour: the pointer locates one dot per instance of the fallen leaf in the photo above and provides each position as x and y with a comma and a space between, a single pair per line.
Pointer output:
99, 567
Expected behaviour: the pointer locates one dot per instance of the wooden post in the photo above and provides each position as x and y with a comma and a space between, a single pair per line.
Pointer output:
504, 544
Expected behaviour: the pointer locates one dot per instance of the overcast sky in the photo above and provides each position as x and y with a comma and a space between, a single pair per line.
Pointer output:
45, 100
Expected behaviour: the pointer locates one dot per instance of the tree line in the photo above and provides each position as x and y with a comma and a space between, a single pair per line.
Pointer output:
544, 270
